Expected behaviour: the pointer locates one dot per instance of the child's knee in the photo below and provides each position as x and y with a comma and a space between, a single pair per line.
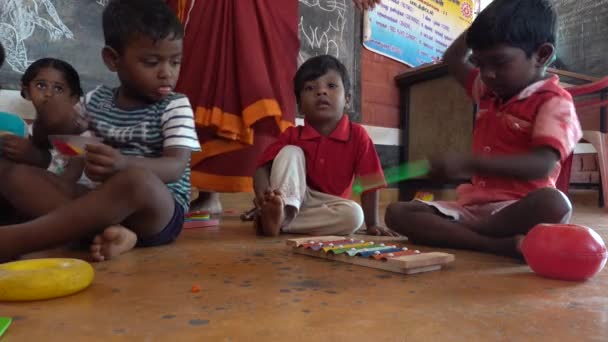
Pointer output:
290, 152
555, 205
352, 218
137, 183
395, 212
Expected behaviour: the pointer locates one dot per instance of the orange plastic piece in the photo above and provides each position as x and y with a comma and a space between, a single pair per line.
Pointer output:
67, 149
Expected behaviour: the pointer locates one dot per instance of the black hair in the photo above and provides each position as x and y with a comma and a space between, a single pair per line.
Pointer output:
124, 19
524, 24
69, 73
316, 67
2, 55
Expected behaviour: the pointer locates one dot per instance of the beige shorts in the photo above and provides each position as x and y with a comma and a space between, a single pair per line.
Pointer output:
468, 213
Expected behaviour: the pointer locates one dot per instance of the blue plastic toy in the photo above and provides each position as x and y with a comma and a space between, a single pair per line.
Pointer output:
12, 124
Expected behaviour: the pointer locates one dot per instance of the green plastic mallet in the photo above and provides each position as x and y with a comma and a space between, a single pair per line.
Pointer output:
5, 322
393, 175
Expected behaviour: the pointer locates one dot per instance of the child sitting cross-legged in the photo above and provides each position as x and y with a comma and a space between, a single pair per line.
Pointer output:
526, 126
304, 180
148, 136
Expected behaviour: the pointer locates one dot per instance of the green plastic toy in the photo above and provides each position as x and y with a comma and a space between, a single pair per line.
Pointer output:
5, 322
393, 175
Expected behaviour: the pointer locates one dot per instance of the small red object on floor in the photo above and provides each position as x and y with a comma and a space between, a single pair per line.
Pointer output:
195, 288
564, 251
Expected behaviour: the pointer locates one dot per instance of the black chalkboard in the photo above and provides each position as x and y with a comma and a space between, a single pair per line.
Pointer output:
64, 29
583, 36
71, 30
333, 27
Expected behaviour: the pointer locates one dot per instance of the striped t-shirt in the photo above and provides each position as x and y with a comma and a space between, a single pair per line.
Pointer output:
147, 131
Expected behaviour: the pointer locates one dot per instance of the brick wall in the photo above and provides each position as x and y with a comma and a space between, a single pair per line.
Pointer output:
379, 93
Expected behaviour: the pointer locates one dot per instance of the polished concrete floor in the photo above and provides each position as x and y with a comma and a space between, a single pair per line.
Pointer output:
255, 289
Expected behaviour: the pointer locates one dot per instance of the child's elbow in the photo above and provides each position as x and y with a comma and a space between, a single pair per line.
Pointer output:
549, 169
544, 163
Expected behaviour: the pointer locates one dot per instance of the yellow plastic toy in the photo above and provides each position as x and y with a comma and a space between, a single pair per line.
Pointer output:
43, 278
425, 196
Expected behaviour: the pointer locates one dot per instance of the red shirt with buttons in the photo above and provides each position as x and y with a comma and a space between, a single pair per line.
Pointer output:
542, 114
332, 161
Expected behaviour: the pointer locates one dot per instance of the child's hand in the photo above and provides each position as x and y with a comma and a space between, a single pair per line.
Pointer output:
103, 161
366, 4
17, 149
451, 166
380, 230
260, 198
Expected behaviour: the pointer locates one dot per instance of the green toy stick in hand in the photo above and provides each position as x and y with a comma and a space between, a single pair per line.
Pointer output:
4, 323
392, 175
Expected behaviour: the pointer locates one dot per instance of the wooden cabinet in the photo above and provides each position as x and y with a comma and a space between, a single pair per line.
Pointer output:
437, 117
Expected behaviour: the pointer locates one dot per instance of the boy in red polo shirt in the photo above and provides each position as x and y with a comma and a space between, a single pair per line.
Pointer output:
304, 180
525, 127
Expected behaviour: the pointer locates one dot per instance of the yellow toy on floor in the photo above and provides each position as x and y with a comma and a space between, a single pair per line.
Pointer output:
38, 279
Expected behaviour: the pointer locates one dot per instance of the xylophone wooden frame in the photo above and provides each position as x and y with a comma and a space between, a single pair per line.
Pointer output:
407, 264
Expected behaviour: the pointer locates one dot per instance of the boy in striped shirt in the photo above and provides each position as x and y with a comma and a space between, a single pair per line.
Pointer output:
143, 164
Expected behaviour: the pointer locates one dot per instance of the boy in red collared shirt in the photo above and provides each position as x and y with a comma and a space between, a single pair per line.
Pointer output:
304, 179
526, 126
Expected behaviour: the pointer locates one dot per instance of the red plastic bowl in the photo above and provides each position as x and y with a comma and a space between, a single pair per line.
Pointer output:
564, 251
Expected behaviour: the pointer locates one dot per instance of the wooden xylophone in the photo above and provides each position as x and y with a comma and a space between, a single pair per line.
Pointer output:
385, 256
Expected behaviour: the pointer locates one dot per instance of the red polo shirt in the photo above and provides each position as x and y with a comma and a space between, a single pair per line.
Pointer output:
542, 114
332, 161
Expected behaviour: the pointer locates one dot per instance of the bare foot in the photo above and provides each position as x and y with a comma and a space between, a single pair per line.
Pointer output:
114, 240
272, 214
207, 201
